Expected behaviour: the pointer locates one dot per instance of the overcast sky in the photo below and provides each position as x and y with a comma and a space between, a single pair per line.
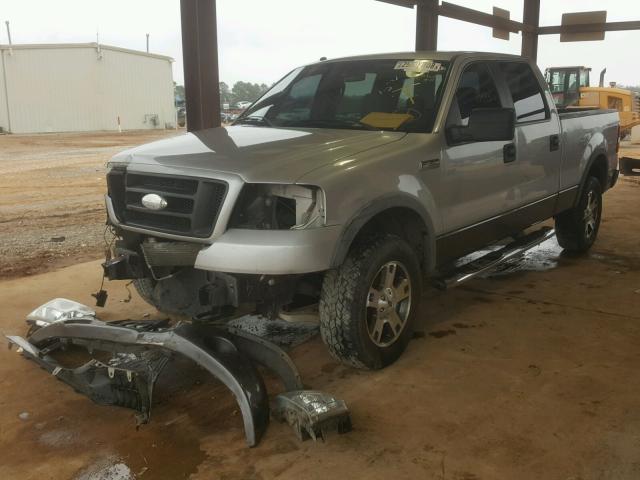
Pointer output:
261, 40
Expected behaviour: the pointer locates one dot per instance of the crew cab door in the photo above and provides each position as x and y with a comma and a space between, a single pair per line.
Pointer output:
537, 156
476, 177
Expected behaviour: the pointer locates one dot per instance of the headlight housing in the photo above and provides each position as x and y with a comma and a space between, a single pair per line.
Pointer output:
279, 207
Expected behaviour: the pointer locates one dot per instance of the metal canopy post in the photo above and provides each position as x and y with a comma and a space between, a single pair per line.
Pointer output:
531, 18
427, 25
428, 12
200, 63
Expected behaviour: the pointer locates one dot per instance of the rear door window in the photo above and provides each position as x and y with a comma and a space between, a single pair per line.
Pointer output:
525, 90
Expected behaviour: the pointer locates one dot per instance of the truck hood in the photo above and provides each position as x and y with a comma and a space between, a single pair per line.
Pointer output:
257, 154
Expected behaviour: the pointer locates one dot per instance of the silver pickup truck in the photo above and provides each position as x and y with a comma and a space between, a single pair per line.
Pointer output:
349, 184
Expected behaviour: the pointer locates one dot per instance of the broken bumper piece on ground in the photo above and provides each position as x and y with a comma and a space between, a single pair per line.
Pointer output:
141, 349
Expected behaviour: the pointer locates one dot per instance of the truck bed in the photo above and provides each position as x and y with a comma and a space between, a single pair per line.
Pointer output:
583, 132
573, 112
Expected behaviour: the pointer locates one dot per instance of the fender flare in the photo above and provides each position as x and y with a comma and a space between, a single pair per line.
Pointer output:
370, 210
598, 152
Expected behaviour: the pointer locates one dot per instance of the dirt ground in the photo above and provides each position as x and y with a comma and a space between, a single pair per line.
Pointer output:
528, 373
51, 196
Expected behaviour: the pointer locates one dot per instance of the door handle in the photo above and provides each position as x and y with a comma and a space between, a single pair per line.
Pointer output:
509, 153
554, 143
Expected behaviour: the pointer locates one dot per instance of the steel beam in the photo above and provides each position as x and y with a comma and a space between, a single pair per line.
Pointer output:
200, 63
400, 3
427, 25
531, 18
590, 27
480, 18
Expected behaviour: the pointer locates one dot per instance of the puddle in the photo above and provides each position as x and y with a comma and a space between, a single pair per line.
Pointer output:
110, 468
58, 438
547, 256
539, 258
542, 257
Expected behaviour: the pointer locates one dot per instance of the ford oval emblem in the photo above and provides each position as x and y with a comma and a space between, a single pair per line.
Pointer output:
153, 201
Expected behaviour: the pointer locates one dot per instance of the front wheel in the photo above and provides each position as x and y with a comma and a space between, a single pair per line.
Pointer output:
368, 306
577, 229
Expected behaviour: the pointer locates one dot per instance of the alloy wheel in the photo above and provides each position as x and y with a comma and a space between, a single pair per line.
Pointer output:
388, 303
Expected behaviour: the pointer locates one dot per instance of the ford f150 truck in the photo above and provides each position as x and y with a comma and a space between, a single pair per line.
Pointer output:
349, 184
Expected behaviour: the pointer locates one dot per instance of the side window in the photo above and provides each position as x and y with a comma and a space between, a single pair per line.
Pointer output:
297, 105
525, 91
557, 81
573, 82
584, 78
476, 89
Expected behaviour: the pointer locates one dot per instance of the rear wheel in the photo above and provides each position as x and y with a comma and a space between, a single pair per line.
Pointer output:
577, 229
368, 306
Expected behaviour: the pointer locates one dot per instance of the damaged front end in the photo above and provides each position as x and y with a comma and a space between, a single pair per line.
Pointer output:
141, 349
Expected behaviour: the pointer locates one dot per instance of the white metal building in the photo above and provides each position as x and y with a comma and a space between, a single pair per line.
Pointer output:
83, 87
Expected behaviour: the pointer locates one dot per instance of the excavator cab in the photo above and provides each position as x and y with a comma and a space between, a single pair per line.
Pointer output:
565, 84
570, 89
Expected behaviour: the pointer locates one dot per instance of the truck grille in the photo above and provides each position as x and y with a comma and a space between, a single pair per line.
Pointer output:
192, 207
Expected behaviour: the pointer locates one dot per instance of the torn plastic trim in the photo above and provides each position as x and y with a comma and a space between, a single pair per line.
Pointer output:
225, 355
127, 380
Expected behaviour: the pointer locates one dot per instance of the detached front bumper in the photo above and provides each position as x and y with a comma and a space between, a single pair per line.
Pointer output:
141, 349
269, 252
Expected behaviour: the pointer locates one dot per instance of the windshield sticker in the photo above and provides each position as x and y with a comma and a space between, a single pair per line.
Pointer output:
414, 68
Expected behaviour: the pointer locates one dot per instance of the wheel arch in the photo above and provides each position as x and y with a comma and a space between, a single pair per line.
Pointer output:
597, 166
407, 217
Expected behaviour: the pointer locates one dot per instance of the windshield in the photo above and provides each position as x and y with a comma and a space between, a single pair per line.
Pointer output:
399, 95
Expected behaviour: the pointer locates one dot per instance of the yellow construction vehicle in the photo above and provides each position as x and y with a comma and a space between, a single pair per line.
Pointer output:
570, 89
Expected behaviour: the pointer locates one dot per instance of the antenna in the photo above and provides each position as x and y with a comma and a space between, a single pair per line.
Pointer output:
9, 36
147, 43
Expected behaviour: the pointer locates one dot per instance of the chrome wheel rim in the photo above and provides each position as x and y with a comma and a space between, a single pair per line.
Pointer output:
388, 304
591, 213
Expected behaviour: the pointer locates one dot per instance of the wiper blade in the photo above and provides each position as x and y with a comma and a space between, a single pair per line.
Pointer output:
339, 124
253, 120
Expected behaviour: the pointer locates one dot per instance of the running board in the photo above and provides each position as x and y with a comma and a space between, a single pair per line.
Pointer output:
463, 273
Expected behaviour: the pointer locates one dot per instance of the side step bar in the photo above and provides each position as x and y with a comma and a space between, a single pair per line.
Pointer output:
463, 273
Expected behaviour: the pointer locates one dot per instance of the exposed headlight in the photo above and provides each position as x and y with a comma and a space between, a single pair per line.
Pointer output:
279, 207
59, 310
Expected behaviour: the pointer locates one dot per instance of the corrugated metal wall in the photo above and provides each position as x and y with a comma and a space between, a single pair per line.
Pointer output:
4, 120
78, 88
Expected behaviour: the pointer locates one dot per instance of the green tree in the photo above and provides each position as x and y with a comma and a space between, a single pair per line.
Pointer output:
247, 91
178, 94
225, 94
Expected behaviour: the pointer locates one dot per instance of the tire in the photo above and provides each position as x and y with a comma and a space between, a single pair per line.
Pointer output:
145, 287
177, 295
354, 330
577, 229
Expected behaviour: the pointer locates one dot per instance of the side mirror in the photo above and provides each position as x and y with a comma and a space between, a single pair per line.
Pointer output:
485, 125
